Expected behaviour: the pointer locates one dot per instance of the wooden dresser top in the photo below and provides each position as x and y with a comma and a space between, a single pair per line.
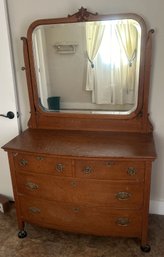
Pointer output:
84, 144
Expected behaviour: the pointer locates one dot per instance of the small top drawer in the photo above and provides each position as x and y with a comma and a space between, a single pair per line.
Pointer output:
43, 164
110, 169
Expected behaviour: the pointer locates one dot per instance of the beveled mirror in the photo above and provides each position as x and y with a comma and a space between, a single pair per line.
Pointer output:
87, 65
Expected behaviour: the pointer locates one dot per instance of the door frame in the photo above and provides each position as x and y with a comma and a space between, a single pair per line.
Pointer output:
10, 128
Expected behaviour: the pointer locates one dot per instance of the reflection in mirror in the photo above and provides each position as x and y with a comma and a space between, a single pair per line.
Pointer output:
88, 67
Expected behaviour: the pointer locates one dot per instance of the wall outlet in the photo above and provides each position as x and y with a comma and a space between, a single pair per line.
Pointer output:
4, 204
1, 207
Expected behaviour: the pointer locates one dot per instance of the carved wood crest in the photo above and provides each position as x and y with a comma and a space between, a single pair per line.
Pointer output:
82, 14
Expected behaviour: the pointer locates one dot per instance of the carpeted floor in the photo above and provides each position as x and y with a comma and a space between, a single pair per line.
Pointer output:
42, 242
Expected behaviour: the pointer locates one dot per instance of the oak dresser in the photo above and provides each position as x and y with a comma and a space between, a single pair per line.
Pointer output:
84, 172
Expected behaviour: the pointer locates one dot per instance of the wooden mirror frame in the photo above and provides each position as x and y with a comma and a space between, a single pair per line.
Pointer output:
136, 121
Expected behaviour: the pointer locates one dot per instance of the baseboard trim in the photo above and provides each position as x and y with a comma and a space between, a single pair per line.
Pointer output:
156, 207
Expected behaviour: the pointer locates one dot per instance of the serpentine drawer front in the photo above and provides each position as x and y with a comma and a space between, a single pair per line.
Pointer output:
43, 164
110, 169
108, 193
76, 217
102, 169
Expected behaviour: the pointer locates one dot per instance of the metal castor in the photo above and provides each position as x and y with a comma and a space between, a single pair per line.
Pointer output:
22, 234
145, 248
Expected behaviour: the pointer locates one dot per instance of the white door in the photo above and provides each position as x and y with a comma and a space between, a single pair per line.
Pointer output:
8, 127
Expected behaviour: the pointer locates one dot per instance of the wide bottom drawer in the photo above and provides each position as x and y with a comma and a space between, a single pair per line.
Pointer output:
81, 219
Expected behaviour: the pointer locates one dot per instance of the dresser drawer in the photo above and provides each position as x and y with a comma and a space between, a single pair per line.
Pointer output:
81, 219
97, 192
110, 169
42, 164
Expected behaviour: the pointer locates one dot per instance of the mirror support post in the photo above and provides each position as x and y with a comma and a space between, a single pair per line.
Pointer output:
32, 121
148, 59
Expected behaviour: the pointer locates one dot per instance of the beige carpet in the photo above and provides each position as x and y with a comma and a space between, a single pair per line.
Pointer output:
42, 242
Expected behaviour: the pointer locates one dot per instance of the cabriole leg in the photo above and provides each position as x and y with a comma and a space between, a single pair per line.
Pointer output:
22, 233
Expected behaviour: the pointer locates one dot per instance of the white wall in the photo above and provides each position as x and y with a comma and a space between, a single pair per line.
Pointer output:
62, 67
23, 12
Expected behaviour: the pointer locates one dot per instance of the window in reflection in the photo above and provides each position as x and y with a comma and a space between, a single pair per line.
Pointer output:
113, 61
110, 50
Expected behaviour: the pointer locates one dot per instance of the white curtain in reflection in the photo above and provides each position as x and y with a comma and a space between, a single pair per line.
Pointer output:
128, 38
114, 65
94, 34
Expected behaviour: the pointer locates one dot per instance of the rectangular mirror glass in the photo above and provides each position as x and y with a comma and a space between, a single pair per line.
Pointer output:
88, 67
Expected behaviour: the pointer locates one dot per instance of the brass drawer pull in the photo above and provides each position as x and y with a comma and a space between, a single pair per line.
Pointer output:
23, 162
40, 158
59, 167
76, 209
123, 196
87, 170
123, 221
34, 210
131, 171
32, 186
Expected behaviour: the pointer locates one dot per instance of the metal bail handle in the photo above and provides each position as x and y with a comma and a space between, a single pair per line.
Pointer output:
9, 115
